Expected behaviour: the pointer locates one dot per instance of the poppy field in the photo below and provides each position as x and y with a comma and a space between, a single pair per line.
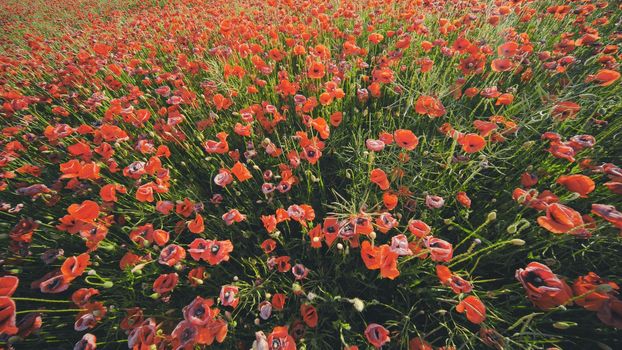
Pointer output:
313, 174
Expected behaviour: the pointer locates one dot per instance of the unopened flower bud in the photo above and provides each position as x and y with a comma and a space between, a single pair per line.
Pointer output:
358, 304
517, 242
564, 324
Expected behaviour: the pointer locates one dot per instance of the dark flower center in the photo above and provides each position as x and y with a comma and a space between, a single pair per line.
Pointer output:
534, 279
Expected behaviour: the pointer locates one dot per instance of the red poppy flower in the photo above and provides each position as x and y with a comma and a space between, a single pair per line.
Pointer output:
196, 225
144, 335
508, 49
144, 193
53, 282
133, 319
389, 200
7, 316
377, 335
388, 263
309, 315
82, 296
593, 299
528, 179
580, 184
278, 301
419, 228
279, 339
561, 219
474, 308
241, 172
171, 255
472, 143
216, 251
185, 335
565, 110
406, 139
228, 296
386, 222
419, 344
269, 245
501, 65
86, 211
199, 311
611, 313
457, 283
88, 342
379, 177
463, 199
543, 287
8, 285
316, 70
165, 283
330, 229
604, 77
430, 106
233, 216
74, 266
440, 250
371, 255
609, 213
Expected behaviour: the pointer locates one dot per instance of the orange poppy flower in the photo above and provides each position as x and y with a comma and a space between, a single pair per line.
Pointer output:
389, 200
593, 299
241, 172
581, 184
463, 199
474, 308
405, 139
388, 263
144, 193
371, 256
508, 49
278, 301
379, 177
543, 287
561, 219
430, 106
419, 344
108, 192
336, 118
280, 339
165, 283
316, 70
472, 143
377, 335
604, 77
501, 65
171, 255
419, 228
102, 49
74, 266
86, 211
565, 110
504, 99
196, 225
7, 316
8, 285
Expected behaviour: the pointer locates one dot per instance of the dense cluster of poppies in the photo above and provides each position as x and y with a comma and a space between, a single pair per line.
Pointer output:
311, 175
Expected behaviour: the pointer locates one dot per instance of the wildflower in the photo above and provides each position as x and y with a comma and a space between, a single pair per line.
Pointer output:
377, 335
544, 288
